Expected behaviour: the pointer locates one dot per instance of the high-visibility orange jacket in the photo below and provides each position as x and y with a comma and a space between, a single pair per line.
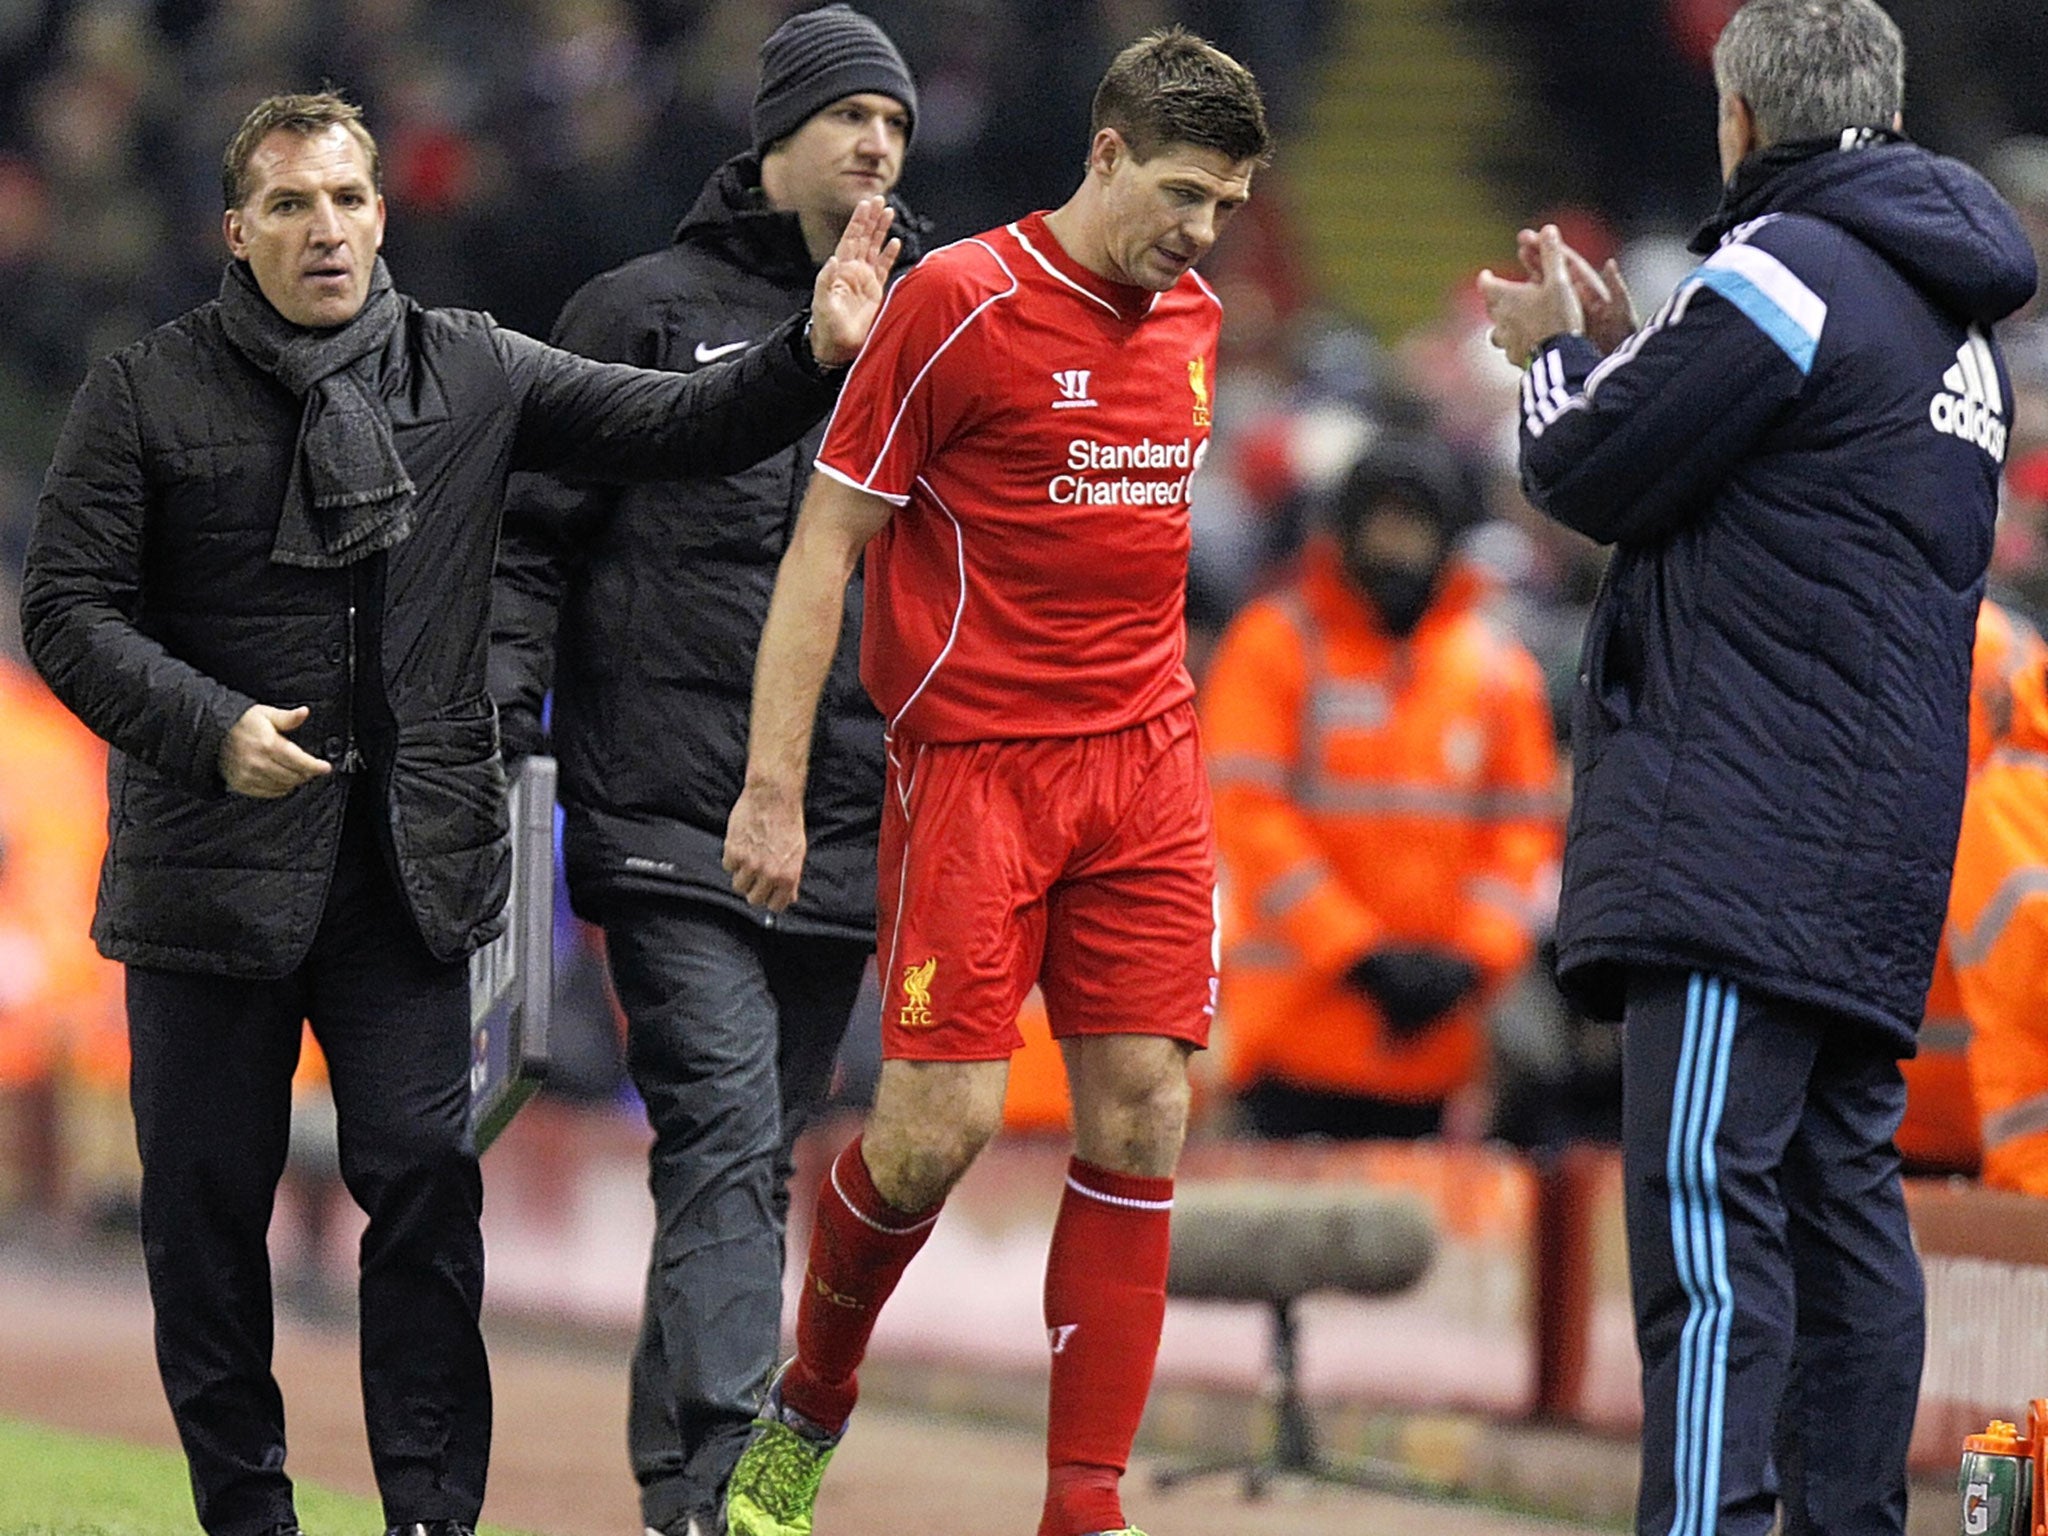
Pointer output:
1939, 1132
1036, 1096
58, 998
1998, 939
1372, 791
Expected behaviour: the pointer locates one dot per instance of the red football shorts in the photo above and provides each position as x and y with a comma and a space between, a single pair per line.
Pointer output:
1086, 864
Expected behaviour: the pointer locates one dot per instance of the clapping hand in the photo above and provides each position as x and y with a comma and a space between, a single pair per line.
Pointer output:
1610, 312
848, 293
1563, 293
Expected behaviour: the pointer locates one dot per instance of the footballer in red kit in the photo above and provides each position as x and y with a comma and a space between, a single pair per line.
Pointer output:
1012, 455
1037, 428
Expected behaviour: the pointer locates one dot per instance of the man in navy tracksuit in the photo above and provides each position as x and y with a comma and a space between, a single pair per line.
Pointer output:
1796, 461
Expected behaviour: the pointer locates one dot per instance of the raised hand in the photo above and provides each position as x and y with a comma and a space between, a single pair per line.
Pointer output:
258, 759
848, 294
1525, 313
1610, 311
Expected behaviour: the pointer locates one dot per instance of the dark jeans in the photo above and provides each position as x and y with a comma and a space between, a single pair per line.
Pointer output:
211, 1086
732, 1030
1779, 1305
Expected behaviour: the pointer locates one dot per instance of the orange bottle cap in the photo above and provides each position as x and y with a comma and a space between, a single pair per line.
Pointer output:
2001, 1439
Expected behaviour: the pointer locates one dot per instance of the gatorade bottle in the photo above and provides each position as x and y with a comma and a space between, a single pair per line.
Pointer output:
1997, 1483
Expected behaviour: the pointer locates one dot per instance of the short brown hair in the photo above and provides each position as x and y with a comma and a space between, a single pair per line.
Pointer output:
300, 114
1171, 87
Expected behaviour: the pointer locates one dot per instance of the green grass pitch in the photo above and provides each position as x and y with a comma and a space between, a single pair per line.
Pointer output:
54, 1483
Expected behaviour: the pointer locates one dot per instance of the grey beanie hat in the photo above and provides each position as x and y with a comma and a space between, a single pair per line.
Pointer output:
816, 57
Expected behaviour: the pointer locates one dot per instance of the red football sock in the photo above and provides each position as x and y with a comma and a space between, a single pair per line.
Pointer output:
860, 1246
1105, 1299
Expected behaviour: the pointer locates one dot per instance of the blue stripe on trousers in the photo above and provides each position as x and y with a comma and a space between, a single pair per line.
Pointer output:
1699, 1243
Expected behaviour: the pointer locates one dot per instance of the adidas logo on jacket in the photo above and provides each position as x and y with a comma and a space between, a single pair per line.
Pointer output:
1971, 405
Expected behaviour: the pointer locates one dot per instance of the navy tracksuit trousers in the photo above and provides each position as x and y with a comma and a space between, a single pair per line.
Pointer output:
1778, 1300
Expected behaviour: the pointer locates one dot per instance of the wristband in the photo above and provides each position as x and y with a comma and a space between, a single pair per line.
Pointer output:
809, 356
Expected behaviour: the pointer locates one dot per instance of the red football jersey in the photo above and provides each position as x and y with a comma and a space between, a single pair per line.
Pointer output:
1038, 427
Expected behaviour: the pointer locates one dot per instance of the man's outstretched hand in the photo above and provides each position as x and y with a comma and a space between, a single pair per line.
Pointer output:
848, 294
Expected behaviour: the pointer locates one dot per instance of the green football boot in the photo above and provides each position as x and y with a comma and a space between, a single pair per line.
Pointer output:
774, 1486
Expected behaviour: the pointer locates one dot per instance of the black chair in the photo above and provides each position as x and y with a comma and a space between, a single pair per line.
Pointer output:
1274, 1244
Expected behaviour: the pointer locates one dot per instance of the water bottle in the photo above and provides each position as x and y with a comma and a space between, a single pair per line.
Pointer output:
1996, 1481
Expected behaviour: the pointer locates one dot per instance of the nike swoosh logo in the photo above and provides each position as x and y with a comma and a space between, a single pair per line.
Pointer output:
713, 354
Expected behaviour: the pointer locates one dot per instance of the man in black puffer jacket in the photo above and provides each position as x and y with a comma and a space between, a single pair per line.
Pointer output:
1797, 461
648, 637
261, 569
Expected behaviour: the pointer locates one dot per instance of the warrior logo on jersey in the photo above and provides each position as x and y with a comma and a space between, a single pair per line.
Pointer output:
917, 994
1198, 381
1073, 385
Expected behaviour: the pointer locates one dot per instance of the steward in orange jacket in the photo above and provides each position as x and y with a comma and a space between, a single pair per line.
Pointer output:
1939, 1133
1387, 814
59, 1001
1998, 939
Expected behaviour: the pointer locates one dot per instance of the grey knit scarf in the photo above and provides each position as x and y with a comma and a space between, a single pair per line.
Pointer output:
349, 494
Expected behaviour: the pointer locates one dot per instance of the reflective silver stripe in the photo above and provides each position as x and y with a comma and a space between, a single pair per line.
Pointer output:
1944, 1034
1309, 635
1269, 953
1319, 793
2025, 1118
1247, 768
1330, 703
1506, 897
2020, 757
1292, 889
1359, 704
1971, 948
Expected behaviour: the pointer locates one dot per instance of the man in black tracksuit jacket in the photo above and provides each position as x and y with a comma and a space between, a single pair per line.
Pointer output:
261, 569
1797, 462
733, 1017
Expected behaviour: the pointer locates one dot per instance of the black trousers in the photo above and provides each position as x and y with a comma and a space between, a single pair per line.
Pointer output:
731, 1034
211, 1086
1779, 1307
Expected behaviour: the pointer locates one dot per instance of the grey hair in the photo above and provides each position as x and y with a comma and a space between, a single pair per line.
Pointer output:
1811, 68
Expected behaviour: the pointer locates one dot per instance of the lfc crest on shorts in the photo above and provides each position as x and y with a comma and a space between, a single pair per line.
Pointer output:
1198, 381
917, 994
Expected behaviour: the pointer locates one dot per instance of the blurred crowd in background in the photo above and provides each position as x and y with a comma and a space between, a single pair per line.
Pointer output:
529, 144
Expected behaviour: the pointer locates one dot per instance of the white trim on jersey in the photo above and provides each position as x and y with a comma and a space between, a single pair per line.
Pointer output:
960, 607
973, 315
1032, 251
852, 484
906, 787
1203, 284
